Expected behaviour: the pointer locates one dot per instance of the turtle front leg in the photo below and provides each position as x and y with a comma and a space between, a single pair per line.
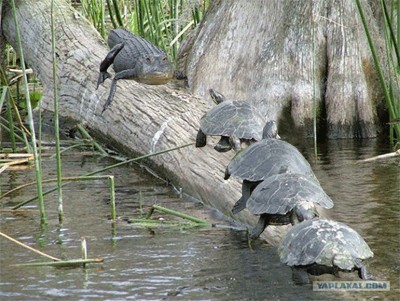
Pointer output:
235, 143
241, 203
201, 139
125, 74
259, 228
223, 145
363, 273
109, 59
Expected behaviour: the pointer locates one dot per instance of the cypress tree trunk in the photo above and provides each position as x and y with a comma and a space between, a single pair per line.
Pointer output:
284, 54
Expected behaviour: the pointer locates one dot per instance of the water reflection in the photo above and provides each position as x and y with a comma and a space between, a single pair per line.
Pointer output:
189, 264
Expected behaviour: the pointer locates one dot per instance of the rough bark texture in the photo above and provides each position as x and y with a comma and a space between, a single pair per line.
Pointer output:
280, 54
141, 118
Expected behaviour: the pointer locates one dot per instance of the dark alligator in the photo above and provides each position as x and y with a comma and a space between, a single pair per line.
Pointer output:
135, 58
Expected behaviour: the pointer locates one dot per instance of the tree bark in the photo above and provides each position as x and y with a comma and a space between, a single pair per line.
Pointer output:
283, 54
141, 118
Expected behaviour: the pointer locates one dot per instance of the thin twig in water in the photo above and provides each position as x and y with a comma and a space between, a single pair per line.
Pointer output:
28, 247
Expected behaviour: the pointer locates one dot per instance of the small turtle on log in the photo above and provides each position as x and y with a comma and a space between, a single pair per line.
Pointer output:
319, 247
135, 58
286, 199
263, 159
235, 121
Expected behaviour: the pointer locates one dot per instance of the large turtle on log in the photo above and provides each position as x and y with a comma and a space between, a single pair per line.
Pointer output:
286, 199
263, 159
135, 58
322, 246
235, 121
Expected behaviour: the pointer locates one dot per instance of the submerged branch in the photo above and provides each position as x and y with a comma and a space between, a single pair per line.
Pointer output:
381, 157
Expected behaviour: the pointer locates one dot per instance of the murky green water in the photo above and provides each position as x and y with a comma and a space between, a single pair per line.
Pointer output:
188, 264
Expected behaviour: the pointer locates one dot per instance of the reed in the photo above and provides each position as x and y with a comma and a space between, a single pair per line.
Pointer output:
38, 170
56, 118
106, 168
165, 23
390, 84
94, 10
191, 222
87, 136
55, 261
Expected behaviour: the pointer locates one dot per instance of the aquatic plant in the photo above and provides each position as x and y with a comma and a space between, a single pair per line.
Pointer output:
391, 83
165, 23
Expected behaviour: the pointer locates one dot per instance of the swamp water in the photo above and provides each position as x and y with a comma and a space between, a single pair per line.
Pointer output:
169, 263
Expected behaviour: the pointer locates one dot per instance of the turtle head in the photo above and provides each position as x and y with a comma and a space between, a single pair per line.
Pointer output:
216, 96
270, 130
305, 211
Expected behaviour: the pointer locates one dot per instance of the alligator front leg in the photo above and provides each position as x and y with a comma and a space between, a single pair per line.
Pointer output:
107, 63
125, 74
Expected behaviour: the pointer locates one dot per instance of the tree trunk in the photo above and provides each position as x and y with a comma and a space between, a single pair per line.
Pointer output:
141, 119
283, 54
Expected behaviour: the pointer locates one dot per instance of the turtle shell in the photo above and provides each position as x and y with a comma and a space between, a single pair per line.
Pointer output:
323, 242
233, 118
279, 194
266, 158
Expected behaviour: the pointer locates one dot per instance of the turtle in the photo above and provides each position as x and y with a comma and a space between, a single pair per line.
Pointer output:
321, 246
234, 120
286, 199
263, 159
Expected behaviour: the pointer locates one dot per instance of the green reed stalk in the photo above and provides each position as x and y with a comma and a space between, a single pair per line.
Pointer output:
38, 170
20, 138
10, 119
4, 90
107, 168
63, 263
154, 20
110, 13
94, 10
391, 31
111, 184
394, 112
56, 118
86, 135
179, 214
118, 13
24, 131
